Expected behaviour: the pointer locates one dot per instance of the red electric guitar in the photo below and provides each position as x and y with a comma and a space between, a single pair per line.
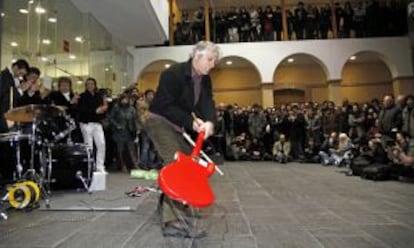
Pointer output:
186, 179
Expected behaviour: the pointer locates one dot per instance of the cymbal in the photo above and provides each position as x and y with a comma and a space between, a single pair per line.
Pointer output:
31, 112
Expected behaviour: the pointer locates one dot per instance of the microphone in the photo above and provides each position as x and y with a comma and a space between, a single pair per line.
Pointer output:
82, 179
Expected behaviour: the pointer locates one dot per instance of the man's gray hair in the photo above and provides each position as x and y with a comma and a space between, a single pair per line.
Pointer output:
205, 46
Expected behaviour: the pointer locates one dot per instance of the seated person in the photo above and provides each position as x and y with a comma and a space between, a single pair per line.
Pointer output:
256, 150
311, 152
403, 158
281, 150
339, 155
330, 143
240, 146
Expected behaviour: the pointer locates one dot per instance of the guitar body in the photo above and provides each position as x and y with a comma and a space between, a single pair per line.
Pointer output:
186, 179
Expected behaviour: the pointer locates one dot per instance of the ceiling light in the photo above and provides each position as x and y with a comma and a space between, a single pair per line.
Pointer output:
229, 62
52, 19
40, 10
2, 14
352, 58
106, 69
79, 82
290, 60
14, 44
71, 56
44, 59
31, 2
14, 61
24, 11
79, 39
46, 41
167, 65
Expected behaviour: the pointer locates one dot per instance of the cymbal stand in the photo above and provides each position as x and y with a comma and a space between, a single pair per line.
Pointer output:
19, 166
31, 173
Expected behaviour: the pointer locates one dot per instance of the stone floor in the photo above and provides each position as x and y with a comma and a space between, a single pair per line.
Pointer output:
257, 205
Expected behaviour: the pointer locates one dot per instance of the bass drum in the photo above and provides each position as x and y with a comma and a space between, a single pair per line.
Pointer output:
71, 164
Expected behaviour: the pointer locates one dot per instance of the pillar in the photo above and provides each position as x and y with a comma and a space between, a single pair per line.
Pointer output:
267, 95
334, 21
403, 85
335, 91
284, 21
207, 19
171, 22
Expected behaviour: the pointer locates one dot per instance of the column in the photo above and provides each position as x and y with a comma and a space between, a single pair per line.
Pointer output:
403, 85
207, 19
267, 95
171, 22
335, 91
284, 21
334, 21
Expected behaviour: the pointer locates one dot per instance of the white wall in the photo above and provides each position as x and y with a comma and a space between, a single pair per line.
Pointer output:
266, 56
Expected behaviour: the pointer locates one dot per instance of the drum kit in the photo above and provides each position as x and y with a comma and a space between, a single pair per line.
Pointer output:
42, 131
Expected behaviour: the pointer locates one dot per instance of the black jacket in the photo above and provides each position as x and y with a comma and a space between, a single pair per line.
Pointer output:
6, 81
174, 98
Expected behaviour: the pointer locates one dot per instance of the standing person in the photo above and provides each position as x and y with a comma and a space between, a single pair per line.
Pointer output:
92, 107
65, 97
31, 92
123, 120
184, 88
10, 78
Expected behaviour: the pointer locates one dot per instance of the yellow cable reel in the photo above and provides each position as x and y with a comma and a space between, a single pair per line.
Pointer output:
23, 194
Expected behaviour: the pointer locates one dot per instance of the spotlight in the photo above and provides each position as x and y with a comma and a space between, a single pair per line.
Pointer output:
229, 62
52, 19
167, 66
46, 41
72, 56
290, 60
79, 39
352, 58
14, 44
40, 10
24, 11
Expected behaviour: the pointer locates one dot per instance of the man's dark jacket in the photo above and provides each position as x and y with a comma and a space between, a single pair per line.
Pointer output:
174, 98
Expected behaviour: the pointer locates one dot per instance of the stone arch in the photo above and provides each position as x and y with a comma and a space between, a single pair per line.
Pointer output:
366, 75
150, 75
305, 72
236, 80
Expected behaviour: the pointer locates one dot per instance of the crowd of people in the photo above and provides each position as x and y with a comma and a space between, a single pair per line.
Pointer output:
308, 132
241, 24
110, 125
380, 132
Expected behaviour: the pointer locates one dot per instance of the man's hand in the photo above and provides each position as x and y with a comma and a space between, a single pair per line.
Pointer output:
197, 122
208, 128
10, 124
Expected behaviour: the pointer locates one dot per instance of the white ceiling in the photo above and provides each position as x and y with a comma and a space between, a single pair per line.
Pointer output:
131, 21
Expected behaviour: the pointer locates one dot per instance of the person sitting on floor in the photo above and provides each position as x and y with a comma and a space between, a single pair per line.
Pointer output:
341, 154
311, 152
281, 150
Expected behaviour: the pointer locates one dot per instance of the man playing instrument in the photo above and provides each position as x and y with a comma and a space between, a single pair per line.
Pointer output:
183, 100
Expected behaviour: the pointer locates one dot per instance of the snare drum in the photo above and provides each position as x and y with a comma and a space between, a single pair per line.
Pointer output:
70, 163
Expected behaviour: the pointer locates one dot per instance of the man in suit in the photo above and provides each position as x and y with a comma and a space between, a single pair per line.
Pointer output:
9, 82
183, 89
10, 79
